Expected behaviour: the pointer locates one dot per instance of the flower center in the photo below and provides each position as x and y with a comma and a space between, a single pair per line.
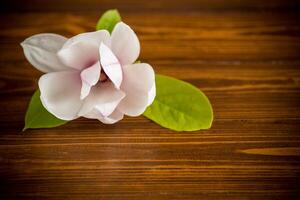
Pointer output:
103, 77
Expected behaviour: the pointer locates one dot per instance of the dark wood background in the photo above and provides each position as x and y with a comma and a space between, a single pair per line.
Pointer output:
245, 55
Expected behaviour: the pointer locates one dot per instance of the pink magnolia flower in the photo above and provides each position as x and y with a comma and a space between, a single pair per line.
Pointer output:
92, 74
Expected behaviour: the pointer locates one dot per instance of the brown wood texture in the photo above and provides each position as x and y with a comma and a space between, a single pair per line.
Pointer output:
243, 54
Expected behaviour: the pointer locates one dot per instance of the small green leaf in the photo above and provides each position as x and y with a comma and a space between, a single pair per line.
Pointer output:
108, 20
38, 117
179, 106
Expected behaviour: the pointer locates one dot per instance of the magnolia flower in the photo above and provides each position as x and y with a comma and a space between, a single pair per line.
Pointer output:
92, 74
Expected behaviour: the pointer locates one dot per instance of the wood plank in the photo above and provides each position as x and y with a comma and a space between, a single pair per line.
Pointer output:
243, 55
141, 6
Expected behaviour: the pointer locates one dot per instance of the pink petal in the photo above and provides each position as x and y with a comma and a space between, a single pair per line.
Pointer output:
110, 65
125, 44
40, 50
111, 119
89, 78
103, 97
60, 93
79, 55
138, 83
93, 38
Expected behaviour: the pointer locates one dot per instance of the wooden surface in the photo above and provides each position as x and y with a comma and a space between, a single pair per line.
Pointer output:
245, 55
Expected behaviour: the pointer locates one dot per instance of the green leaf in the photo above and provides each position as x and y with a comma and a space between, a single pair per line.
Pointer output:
179, 106
108, 20
38, 117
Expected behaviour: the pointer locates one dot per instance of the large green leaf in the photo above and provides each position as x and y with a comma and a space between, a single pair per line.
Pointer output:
179, 106
38, 117
108, 20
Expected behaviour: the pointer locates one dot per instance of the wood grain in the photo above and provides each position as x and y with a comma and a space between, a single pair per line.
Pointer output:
243, 55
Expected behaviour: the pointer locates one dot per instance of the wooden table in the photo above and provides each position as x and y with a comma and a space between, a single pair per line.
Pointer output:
245, 55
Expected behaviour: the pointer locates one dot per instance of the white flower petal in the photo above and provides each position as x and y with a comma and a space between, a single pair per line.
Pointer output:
79, 55
125, 44
60, 93
94, 38
89, 78
111, 119
40, 50
85, 90
103, 97
138, 83
110, 65
151, 94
